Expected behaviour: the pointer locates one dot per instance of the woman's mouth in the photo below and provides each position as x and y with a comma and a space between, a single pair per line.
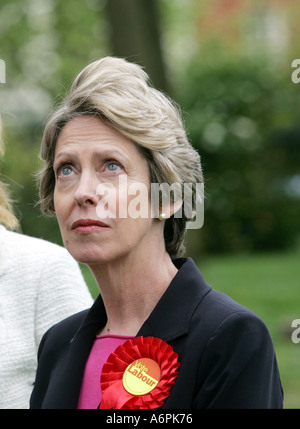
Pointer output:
88, 225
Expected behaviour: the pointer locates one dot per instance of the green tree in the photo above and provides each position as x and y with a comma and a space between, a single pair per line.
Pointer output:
241, 116
135, 34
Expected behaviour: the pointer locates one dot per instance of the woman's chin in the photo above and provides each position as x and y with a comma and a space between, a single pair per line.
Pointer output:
89, 255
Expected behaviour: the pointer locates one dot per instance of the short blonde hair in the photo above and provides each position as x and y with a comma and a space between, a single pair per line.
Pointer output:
119, 93
7, 217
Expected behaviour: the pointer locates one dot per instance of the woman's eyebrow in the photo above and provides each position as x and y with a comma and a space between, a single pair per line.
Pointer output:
103, 154
111, 153
63, 154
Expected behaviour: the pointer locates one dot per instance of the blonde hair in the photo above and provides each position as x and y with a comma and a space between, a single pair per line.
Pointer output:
7, 217
119, 93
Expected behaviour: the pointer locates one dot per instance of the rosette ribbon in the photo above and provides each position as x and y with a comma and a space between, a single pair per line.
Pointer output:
114, 394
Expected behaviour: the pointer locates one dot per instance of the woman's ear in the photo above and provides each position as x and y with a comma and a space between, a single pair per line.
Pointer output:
176, 206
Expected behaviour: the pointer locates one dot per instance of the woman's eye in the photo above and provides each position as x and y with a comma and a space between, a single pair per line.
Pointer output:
65, 170
113, 166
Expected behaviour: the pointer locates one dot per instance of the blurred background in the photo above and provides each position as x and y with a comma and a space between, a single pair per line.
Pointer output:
228, 63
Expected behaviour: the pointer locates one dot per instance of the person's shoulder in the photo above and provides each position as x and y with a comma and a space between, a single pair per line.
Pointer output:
29, 241
22, 245
225, 304
63, 332
216, 310
223, 314
211, 302
70, 323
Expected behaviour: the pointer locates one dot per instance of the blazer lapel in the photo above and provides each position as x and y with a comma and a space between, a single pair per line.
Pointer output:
66, 377
171, 317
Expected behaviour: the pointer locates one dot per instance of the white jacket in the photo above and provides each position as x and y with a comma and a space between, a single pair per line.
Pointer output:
40, 284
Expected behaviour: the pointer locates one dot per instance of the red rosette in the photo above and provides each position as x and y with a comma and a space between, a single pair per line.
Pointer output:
128, 359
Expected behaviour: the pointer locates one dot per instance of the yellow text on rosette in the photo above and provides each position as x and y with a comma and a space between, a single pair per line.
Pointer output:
141, 376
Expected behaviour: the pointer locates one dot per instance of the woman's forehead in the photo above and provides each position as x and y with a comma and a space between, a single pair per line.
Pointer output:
87, 132
90, 139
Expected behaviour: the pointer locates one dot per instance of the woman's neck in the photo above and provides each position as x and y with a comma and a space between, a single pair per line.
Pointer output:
130, 290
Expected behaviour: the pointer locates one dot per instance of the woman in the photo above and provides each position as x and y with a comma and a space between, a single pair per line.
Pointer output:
40, 284
158, 335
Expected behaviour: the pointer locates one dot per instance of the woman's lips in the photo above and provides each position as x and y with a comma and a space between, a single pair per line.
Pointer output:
88, 225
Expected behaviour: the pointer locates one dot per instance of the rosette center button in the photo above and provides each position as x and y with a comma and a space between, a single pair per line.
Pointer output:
141, 376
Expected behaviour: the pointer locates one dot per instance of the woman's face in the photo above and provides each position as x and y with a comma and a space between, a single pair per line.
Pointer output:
96, 170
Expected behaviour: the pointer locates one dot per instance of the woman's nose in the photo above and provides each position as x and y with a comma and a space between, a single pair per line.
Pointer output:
85, 194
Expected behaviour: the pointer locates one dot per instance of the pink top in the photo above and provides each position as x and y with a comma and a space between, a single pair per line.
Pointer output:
90, 393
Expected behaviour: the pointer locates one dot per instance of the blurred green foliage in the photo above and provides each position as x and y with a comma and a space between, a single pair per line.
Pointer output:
241, 111
244, 119
44, 43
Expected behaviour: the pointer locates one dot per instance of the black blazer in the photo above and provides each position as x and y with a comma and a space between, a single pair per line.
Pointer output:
226, 353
